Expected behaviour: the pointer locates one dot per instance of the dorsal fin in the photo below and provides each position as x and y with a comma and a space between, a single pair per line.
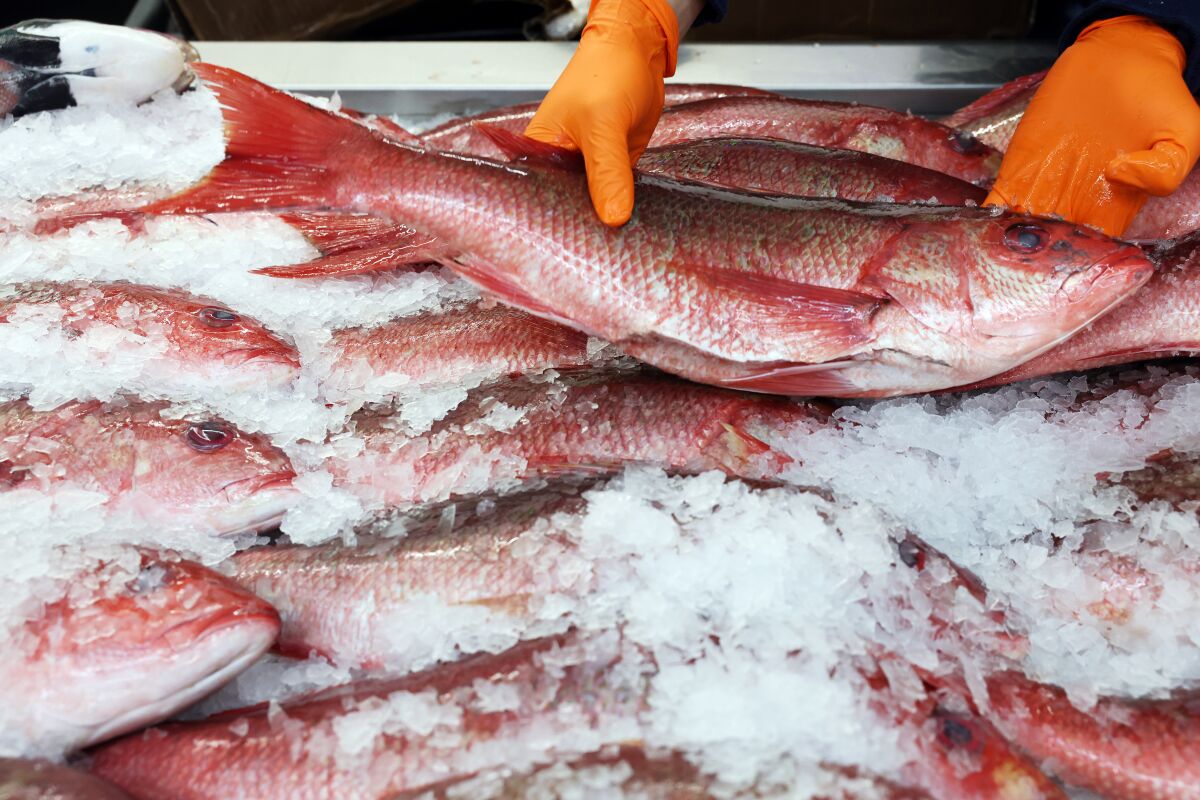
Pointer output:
522, 149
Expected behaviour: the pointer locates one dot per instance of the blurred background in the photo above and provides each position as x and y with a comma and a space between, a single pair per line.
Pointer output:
748, 21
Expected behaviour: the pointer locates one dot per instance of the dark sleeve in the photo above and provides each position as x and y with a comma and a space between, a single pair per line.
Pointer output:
1180, 17
714, 11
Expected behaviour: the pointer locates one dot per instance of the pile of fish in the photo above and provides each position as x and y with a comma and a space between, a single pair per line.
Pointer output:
339, 460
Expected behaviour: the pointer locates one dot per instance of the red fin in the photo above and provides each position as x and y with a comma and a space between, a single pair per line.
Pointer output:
746, 445
524, 150
355, 262
333, 233
821, 316
821, 380
493, 281
135, 221
391, 129
279, 151
385, 125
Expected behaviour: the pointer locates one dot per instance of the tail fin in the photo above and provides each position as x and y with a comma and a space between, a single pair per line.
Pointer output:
279, 152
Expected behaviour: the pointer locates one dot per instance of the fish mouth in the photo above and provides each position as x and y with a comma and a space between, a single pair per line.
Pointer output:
242, 488
254, 504
246, 644
1129, 269
262, 355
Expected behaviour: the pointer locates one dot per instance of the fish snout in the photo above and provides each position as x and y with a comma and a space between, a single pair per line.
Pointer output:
1120, 274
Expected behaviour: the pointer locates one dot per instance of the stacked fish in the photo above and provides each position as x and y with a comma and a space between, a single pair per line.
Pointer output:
525, 506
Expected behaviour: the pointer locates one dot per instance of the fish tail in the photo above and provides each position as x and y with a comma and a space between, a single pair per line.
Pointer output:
280, 152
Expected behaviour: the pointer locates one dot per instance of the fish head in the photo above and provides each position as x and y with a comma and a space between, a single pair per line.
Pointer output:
127, 647
231, 480
965, 757
215, 344
1005, 284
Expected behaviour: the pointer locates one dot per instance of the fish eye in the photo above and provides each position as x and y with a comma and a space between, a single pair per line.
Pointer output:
205, 437
1025, 238
957, 734
216, 317
912, 554
964, 143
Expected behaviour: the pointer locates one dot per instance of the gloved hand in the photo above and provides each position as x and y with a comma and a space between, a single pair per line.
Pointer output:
609, 98
1112, 122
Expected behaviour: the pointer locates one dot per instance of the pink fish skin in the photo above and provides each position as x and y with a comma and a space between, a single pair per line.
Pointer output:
117, 654
249, 753
1161, 319
447, 347
161, 469
593, 424
495, 559
24, 779
657, 776
789, 296
880, 131
776, 167
1122, 749
993, 118
206, 341
462, 136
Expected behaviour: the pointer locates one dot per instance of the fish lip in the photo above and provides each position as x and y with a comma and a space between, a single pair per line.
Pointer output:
262, 355
1127, 266
258, 483
255, 610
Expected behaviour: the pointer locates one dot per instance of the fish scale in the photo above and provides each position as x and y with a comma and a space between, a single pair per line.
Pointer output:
595, 423
485, 558
202, 472
767, 286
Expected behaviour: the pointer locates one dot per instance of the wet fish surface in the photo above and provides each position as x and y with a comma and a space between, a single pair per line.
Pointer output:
788, 296
122, 651
201, 341
172, 471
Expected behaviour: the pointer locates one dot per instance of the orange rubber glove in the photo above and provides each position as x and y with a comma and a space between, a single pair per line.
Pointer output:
609, 98
1112, 122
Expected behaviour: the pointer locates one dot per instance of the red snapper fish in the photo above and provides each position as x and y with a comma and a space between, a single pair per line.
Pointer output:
847, 126
251, 753
778, 167
163, 470
435, 349
782, 295
124, 650
1134, 750
1161, 320
205, 342
594, 423
461, 135
496, 554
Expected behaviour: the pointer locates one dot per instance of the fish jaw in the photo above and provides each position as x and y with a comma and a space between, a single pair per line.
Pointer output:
262, 367
225, 650
254, 504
